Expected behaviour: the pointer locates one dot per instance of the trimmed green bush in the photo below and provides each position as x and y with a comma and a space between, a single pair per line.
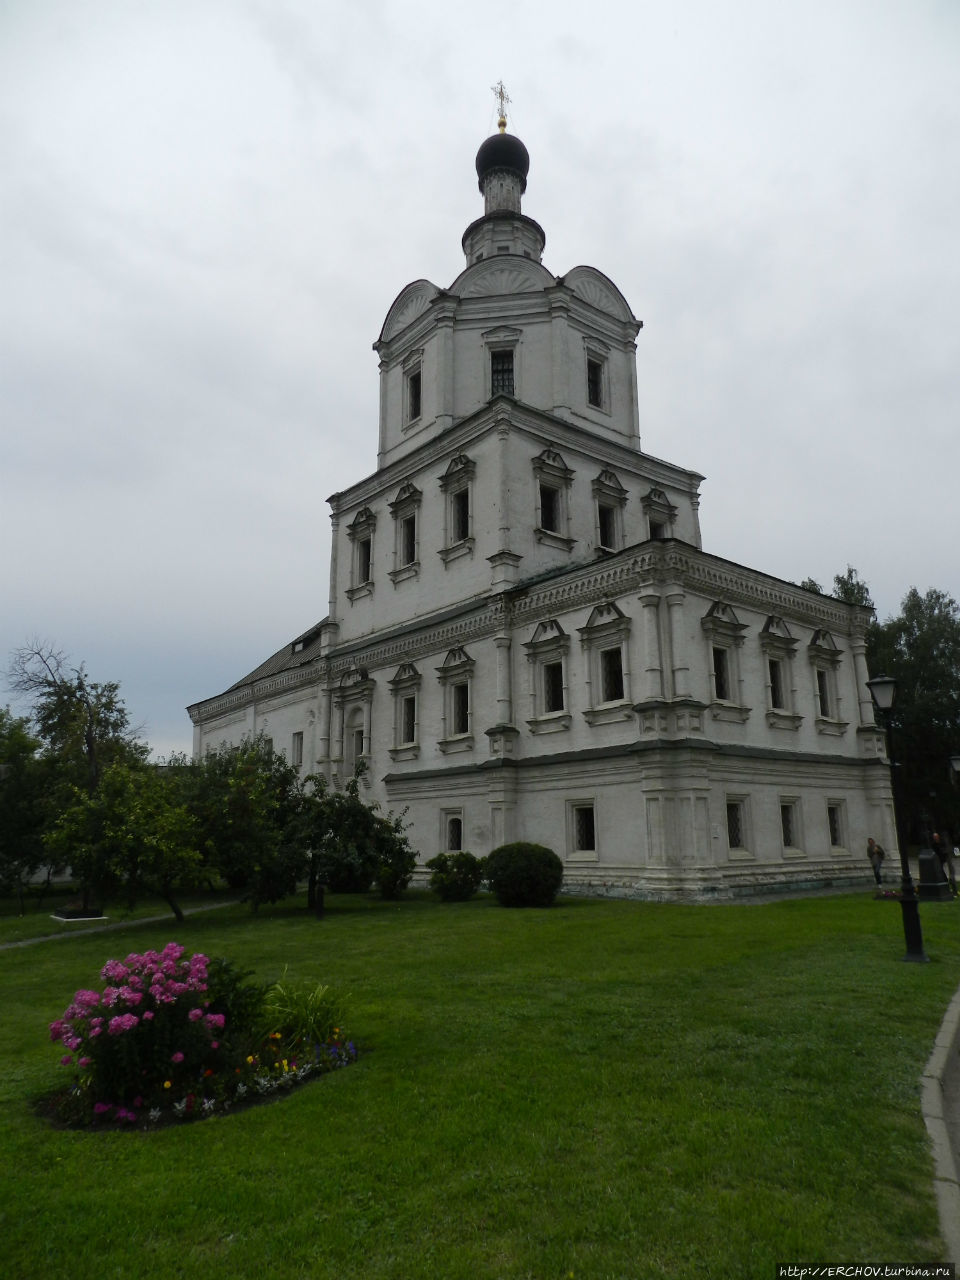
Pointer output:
524, 875
456, 876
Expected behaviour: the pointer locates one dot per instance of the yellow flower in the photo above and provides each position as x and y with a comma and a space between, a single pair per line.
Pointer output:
166, 1084
249, 1057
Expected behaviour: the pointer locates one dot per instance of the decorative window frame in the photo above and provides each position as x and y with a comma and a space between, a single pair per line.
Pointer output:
456, 669
597, 352
742, 852
361, 529
503, 338
448, 816
574, 853
413, 390
550, 471
825, 659
550, 644
659, 513
608, 492
354, 702
405, 506
795, 847
458, 477
840, 808
606, 628
723, 630
778, 645
405, 684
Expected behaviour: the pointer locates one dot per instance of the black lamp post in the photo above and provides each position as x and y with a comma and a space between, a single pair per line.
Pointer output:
883, 691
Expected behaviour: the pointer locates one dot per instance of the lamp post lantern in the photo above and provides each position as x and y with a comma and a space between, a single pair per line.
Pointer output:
883, 691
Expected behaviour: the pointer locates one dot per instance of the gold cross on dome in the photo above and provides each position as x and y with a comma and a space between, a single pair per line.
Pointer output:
502, 97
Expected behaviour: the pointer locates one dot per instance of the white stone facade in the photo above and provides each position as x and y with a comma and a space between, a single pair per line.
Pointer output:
525, 639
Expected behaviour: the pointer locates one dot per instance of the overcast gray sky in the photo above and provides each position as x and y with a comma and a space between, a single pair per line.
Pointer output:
207, 206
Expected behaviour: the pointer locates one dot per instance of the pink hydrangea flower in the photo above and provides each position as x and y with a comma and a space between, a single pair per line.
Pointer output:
176, 1057
66, 1060
195, 1015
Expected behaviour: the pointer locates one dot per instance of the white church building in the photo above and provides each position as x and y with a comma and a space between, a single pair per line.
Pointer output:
525, 639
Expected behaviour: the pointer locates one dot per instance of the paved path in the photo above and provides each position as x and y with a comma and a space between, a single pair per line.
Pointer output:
109, 928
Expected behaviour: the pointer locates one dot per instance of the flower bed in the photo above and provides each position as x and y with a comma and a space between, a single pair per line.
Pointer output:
174, 1037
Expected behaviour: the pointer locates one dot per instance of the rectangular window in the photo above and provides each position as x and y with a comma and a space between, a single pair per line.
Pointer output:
775, 670
611, 674
835, 823
595, 383
787, 825
408, 720
296, 750
501, 373
364, 548
584, 829
607, 523
735, 825
549, 508
721, 680
454, 834
414, 395
823, 694
460, 700
552, 686
658, 531
460, 507
408, 540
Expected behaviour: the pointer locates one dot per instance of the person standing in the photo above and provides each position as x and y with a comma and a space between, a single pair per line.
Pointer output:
876, 855
945, 854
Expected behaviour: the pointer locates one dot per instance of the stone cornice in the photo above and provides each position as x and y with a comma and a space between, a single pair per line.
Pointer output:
647, 565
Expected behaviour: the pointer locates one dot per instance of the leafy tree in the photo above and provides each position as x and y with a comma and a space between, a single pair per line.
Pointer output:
247, 802
920, 648
23, 810
82, 723
851, 589
131, 833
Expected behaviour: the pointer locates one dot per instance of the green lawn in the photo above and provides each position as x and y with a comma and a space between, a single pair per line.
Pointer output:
603, 1089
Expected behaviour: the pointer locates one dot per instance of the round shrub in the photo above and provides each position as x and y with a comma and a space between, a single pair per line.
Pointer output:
455, 876
524, 875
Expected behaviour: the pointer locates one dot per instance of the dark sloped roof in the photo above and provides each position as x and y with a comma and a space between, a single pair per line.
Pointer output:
286, 658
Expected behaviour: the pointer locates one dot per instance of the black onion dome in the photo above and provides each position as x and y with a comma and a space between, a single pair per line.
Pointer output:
503, 151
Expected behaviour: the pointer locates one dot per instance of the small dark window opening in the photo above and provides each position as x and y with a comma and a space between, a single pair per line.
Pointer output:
836, 833
461, 514
414, 395
553, 686
296, 750
595, 383
363, 560
408, 540
584, 829
786, 824
823, 693
611, 674
501, 373
461, 708
408, 720
721, 682
658, 530
776, 683
735, 826
607, 521
454, 834
549, 508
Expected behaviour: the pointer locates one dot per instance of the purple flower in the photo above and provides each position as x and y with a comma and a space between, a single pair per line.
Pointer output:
215, 1021
176, 1057
101, 1108
66, 1060
84, 1062
195, 1015
123, 1022
147, 1015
